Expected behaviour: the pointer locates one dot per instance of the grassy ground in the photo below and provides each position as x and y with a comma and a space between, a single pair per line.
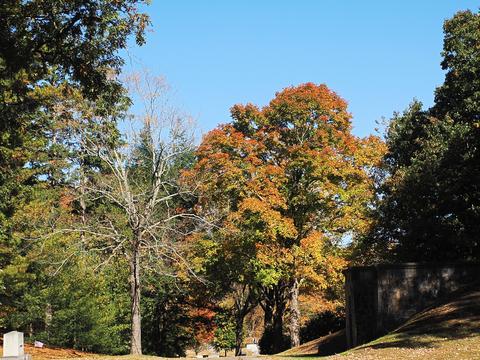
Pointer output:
57, 354
326, 345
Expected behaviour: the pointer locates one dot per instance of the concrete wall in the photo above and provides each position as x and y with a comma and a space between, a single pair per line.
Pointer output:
380, 298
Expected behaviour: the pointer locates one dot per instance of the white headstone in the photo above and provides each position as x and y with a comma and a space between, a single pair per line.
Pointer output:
253, 348
13, 344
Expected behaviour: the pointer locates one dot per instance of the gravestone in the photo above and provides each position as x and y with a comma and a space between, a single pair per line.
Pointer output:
13, 346
252, 349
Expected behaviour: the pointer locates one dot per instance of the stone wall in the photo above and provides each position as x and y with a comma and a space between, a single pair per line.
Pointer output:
380, 298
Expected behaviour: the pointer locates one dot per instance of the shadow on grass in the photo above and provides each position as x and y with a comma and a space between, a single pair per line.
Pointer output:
300, 356
327, 345
333, 344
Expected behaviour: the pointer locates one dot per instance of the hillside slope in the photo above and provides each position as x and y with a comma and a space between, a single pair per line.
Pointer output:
325, 345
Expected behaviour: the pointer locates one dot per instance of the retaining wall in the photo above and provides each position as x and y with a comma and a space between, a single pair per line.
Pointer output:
380, 298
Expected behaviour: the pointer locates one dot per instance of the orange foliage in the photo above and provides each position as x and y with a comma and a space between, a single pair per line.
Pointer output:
293, 176
203, 325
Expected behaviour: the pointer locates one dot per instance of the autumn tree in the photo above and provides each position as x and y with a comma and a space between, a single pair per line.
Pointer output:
291, 179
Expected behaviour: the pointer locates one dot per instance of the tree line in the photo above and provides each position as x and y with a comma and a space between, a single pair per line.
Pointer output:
119, 233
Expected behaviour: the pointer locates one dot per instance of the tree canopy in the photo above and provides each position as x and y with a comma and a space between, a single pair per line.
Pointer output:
288, 181
430, 206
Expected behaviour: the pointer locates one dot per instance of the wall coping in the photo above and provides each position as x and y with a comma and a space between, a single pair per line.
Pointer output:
411, 265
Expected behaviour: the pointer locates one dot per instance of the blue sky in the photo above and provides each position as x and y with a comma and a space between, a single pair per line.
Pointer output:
377, 55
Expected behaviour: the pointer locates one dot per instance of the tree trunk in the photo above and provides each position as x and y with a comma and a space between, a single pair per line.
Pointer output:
238, 335
280, 306
274, 304
136, 324
267, 307
294, 314
82, 203
277, 327
48, 319
83, 212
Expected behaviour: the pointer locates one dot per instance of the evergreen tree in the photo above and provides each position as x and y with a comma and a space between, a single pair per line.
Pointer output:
53, 54
430, 207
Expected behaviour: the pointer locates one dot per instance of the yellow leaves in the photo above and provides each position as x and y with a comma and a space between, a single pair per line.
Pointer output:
313, 244
315, 303
312, 261
275, 224
280, 172
276, 261
371, 151
202, 250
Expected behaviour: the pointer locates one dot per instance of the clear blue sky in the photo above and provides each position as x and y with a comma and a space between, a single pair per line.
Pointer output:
378, 55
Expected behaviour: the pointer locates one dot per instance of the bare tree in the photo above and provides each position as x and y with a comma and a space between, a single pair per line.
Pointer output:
140, 183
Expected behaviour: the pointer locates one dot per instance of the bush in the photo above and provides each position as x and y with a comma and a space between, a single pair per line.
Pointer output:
266, 342
322, 324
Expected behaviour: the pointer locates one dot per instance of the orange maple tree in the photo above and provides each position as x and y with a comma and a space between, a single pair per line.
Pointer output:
293, 179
